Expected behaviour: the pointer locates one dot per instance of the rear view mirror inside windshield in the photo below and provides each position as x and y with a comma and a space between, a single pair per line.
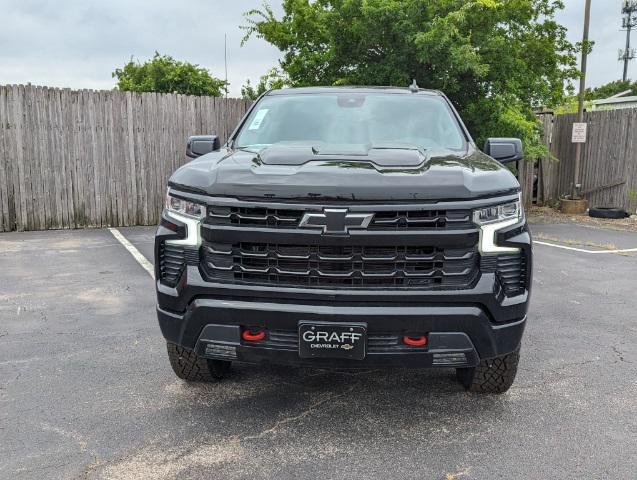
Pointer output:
351, 101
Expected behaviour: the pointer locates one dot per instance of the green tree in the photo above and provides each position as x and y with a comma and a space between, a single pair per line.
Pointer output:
496, 59
273, 79
610, 89
570, 103
164, 74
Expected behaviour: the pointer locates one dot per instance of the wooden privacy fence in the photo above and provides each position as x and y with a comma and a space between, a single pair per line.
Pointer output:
72, 159
82, 158
608, 164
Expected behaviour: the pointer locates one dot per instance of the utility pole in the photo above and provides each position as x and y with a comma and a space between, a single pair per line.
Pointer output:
225, 59
226, 128
582, 91
629, 10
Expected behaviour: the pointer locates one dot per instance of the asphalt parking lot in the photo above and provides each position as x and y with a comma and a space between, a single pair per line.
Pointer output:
86, 390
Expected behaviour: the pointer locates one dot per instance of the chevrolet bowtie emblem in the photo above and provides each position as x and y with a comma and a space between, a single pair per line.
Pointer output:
336, 220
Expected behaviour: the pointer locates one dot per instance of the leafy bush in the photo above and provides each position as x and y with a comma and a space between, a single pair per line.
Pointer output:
164, 74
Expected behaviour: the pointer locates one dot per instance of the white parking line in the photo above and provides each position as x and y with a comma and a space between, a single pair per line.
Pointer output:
137, 255
623, 250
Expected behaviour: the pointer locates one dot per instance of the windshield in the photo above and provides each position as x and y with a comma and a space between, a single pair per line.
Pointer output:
352, 120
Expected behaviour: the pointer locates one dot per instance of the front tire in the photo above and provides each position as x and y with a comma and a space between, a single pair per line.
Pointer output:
493, 375
188, 366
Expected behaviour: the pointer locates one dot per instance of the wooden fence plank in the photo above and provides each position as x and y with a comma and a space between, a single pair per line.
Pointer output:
6, 196
41, 174
69, 121
18, 117
10, 144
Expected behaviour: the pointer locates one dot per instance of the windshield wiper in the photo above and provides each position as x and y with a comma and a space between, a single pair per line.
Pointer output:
397, 146
251, 148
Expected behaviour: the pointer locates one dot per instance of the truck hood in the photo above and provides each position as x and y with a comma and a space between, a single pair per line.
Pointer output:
385, 174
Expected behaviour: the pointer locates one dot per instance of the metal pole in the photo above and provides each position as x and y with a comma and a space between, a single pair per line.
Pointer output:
582, 91
627, 52
225, 59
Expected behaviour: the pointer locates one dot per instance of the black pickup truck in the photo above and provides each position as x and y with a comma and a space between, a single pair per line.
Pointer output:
346, 227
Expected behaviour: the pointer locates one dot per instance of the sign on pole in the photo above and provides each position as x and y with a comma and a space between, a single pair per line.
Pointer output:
579, 133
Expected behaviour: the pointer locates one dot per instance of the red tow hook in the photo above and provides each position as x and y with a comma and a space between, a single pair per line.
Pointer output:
415, 341
253, 335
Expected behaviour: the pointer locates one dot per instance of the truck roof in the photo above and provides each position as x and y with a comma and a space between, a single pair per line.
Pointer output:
352, 89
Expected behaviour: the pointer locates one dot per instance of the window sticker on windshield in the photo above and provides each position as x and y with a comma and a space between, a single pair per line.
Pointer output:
258, 119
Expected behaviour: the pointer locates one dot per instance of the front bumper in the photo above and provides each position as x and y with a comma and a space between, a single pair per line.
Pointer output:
459, 335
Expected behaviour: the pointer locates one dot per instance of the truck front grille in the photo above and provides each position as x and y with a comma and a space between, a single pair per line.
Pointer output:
329, 266
250, 217
253, 217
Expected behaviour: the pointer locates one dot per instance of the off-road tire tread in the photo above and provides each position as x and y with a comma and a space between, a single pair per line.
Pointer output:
493, 375
188, 366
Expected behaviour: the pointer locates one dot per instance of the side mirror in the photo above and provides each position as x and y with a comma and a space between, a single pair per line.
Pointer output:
199, 145
504, 150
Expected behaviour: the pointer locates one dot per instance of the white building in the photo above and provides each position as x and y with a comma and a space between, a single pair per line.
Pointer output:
615, 102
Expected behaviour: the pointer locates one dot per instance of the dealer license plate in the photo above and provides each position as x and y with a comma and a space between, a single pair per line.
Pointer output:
332, 340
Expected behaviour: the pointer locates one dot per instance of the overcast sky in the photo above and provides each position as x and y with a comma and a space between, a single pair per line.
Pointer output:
78, 43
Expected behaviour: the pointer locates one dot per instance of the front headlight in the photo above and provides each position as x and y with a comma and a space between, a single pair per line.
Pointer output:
495, 218
190, 214
499, 213
184, 207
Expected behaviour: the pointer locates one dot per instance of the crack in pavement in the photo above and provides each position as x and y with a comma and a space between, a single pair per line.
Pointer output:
619, 354
284, 421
